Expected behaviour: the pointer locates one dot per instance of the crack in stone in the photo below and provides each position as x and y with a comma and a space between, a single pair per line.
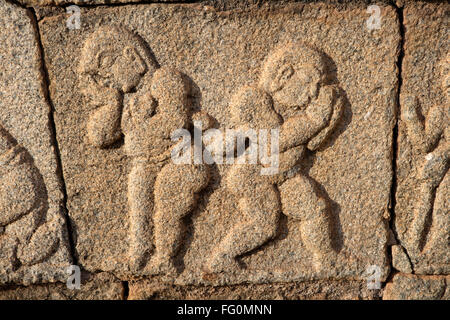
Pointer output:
126, 290
51, 123
393, 200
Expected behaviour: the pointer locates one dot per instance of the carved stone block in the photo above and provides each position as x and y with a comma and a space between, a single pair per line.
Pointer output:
33, 232
422, 212
149, 289
312, 75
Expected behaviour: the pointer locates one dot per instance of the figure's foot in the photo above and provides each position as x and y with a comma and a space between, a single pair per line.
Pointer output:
8, 260
137, 262
160, 266
433, 170
221, 264
42, 245
8, 263
410, 110
324, 262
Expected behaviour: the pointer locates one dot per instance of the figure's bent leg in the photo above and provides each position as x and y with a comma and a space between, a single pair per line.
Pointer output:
8, 250
44, 240
260, 212
317, 237
140, 186
300, 201
168, 232
421, 212
430, 176
440, 229
175, 197
24, 207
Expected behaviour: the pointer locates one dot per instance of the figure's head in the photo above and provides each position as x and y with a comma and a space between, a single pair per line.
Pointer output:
445, 74
293, 73
252, 108
115, 58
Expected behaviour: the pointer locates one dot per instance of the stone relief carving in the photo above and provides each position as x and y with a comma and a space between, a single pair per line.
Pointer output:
429, 138
107, 144
26, 237
131, 95
294, 94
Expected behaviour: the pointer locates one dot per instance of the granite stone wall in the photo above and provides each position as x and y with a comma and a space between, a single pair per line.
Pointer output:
224, 149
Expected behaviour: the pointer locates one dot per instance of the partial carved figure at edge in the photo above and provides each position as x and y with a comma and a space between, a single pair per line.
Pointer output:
26, 238
431, 144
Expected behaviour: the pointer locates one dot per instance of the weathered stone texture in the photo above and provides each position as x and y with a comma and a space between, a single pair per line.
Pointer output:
224, 4
101, 286
315, 290
319, 78
400, 260
345, 180
413, 287
78, 2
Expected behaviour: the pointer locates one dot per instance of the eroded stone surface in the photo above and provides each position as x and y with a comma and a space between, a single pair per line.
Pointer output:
101, 286
77, 2
131, 75
422, 210
33, 234
225, 4
317, 290
84, 2
413, 287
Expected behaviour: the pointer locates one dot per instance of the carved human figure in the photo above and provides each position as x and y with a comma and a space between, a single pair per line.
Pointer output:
258, 199
431, 144
26, 238
131, 95
294, 96
298, 79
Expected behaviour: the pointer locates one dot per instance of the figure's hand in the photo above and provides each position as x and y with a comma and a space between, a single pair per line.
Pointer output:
410, 108
168, 86
97, 95
320, 110
330, 99
290, 158
103, 126
141, 108
314, 125
206, 120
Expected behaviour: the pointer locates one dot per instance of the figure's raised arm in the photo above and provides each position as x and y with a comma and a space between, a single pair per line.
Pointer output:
138, 109
170, 90
424, 135
17, 181
103, 125
338, 109
202, 117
